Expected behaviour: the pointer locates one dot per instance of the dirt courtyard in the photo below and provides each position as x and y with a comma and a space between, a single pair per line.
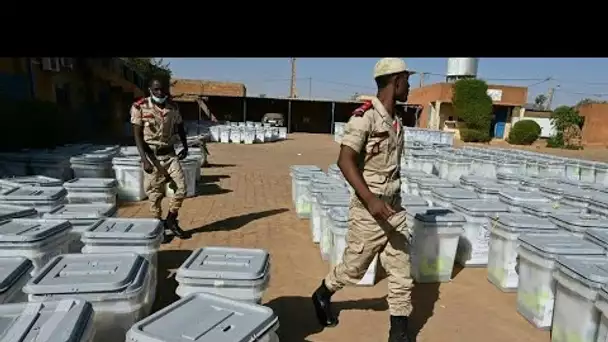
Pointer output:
245, 201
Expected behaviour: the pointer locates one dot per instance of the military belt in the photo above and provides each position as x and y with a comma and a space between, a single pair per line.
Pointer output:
164, 151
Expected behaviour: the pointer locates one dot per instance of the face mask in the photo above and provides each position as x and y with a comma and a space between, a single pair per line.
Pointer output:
157, 99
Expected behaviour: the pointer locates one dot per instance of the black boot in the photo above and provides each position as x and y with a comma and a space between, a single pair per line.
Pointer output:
321, 299
398, 332
173, 226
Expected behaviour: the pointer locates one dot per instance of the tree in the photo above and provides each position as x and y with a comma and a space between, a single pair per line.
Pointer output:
472, 104
540, 100
524, 132
564, 119
151, 68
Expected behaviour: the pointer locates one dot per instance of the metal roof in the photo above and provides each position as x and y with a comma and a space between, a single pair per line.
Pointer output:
193, 97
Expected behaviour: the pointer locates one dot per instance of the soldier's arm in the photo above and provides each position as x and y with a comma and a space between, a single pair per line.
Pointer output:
138, 129
354, 139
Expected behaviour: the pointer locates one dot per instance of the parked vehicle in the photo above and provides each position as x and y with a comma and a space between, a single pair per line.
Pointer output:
274, 119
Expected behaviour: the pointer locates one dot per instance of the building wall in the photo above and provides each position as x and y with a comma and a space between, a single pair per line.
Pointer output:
537, 114
427, 96
511, 96
46, 81
14, 79
207, 88
111, 93
595, 128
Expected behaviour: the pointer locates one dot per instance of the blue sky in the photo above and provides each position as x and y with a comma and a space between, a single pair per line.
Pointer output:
340, 78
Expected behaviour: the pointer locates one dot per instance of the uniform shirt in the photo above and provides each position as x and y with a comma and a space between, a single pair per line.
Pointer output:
159, 124
378, 139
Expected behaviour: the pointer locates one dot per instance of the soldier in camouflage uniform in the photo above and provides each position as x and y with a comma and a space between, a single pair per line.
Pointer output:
156, 124
370, 160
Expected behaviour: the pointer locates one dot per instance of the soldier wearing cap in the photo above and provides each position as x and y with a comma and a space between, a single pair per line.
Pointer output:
156, 123
369, 159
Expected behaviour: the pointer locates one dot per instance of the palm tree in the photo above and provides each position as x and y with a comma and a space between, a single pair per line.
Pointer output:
540, 100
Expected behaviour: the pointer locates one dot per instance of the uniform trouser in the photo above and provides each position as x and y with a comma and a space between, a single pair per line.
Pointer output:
365, 238
155, 185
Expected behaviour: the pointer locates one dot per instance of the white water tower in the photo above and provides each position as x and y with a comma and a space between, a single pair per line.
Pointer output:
460, 68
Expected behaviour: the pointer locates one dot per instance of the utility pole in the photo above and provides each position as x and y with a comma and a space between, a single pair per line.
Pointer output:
422, 77
292, 88
310, 87
549, 98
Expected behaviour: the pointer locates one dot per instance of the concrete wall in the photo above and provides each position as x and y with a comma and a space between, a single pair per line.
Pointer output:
537, 114
207, 88
595, 128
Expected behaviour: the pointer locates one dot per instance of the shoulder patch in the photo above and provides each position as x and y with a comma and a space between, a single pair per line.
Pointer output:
363, 108
139, 102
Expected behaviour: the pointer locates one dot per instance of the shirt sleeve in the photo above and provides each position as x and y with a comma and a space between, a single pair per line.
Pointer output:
178, 117
136, 116
356, 132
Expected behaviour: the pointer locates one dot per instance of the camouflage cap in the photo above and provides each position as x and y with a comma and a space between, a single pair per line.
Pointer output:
388, 66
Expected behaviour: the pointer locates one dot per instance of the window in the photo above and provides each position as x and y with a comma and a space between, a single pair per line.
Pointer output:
50, 63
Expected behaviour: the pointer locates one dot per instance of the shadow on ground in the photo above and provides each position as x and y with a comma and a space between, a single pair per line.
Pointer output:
207, 185
205, 179
424, 297
212, 165
297, 317
235, 222
128, 204
168, 263
210, 189
456, 270
298, 321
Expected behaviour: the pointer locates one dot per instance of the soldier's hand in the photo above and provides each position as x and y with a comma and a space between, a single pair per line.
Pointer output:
172, 184
379, 209
183, 153
147, 166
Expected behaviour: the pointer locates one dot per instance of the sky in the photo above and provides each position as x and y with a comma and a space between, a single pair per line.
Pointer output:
340, 78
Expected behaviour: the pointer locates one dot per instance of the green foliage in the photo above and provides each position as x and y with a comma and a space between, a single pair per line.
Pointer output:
151, 68
524, 132
562, 118
540, 100
474, 135
556, 141
472, 104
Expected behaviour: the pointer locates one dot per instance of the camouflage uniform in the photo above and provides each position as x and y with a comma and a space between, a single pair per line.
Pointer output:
379, 141
160, 133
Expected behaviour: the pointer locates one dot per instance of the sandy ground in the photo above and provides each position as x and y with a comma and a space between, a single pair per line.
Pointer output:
245, 200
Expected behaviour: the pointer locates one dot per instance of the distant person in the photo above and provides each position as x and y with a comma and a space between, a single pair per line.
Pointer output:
156, 123
369, 159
